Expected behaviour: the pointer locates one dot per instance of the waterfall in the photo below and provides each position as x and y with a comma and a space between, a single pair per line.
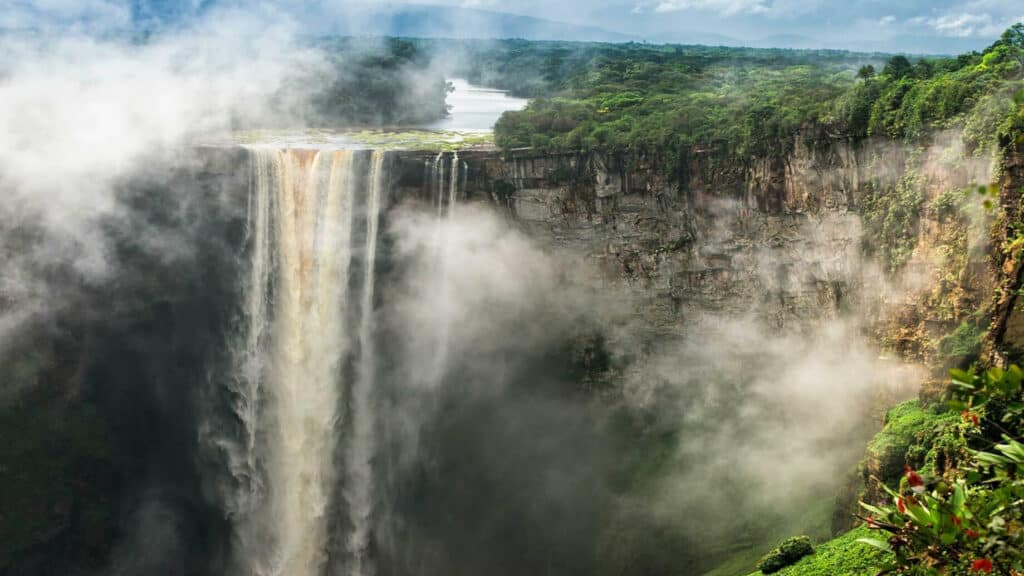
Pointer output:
443, 258
453, 190
437, 181
314, 232
359, 485
288, 387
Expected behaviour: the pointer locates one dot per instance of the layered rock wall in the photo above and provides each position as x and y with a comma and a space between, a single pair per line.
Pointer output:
787, 240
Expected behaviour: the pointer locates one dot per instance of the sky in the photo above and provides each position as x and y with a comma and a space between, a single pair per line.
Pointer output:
921, 26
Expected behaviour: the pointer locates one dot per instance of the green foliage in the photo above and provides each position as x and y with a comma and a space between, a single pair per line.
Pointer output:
1011, 132
743, 102
908, 426
898, 67
660, 99
966, 518
965, 341
668, 103
891, 218
841, 556
787, 554
950, 203
866, 72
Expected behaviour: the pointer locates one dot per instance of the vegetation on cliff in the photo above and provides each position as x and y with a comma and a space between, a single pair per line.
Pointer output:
842, 556
786, 554
963, 514
753, 102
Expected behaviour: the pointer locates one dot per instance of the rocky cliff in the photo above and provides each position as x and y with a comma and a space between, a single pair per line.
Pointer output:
890, 231
891, 236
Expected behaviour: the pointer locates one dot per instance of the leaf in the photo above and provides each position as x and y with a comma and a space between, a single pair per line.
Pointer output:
886, 488
957, 405
880, 544
874, 509
961, 377
994, 375
1014, 376
990, 459
959, 498
1013, 450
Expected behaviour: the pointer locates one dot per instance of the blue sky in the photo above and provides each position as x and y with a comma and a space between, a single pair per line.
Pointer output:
948, 26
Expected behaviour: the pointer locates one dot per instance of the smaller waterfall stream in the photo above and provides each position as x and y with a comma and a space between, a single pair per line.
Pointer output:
443, 262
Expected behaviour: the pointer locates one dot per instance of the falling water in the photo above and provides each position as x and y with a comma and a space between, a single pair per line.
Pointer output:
313, 238
291, 359
453, 190
248, 377
437, 181
443, 263
359, 484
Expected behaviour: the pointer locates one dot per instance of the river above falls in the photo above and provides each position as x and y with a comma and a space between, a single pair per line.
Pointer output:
475, 108
473, 111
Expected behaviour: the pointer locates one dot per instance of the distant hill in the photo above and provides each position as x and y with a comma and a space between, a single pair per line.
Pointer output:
384, 19
453, 22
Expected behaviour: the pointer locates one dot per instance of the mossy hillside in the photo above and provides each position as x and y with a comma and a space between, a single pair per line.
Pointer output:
908, 429
921, 437
841, 556
789, 552
814, 520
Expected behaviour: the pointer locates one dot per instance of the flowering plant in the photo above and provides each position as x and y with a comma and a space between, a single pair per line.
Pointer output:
967, 519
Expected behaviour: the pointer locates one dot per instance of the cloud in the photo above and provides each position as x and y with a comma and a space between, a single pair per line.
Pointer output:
983, 19
967, 25
82, 113
725, 7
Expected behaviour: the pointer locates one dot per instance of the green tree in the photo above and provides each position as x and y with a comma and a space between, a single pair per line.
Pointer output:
898, 67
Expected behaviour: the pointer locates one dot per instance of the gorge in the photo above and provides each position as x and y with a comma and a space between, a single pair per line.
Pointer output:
625, 334
721, 259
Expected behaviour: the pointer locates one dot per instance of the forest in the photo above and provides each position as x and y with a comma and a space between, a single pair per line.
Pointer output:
747, 102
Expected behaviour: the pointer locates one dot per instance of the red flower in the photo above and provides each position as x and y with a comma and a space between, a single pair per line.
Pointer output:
969, 416
982, 565
901, 505
956, 520
971, 534
872, 523
914, 480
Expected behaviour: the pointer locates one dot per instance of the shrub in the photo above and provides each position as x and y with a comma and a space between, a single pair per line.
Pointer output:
968, 518
787, 554
965, 341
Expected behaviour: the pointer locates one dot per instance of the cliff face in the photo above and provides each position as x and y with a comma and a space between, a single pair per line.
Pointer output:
890, 237
787, 241
881, 228
1007, 337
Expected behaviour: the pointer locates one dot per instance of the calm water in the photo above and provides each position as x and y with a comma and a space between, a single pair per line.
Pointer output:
476, 108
